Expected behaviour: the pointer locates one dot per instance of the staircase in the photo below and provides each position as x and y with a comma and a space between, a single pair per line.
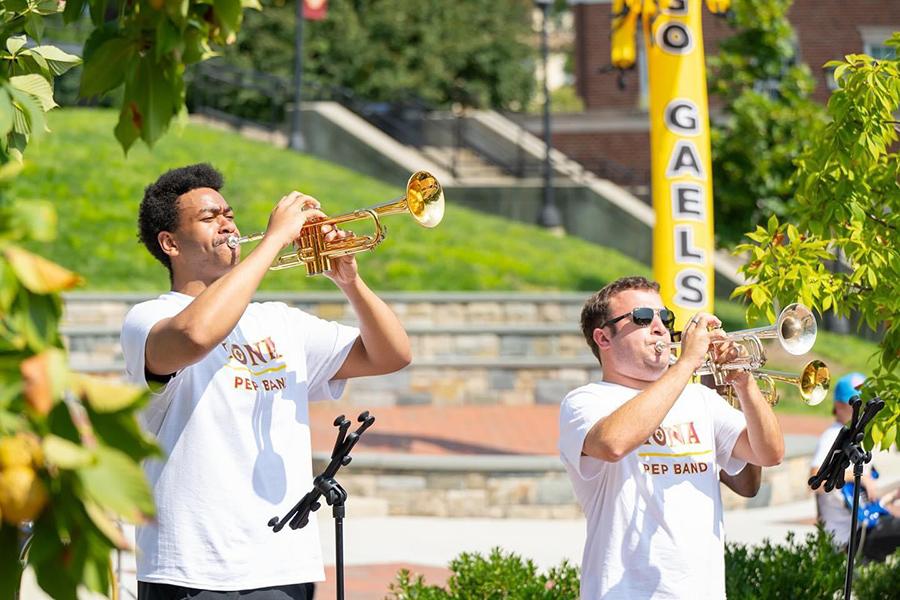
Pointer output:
468, 348
466, 165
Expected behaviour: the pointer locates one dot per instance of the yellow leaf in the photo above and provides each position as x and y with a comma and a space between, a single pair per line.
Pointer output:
63, 454
38, 274
107, 525
105, 395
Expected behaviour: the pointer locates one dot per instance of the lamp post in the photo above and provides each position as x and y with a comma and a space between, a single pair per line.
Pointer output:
295, 140
549, 216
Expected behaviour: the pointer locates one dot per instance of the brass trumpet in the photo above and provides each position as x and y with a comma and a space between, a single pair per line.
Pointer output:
796, 330
424, 200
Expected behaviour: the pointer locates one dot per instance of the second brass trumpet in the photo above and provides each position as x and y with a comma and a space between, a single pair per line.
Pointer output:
796, 331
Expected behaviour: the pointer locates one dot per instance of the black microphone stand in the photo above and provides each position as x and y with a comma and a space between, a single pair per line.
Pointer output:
846, 449
335, 495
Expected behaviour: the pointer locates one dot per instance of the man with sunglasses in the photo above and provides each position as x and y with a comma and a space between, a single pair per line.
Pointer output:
643, 448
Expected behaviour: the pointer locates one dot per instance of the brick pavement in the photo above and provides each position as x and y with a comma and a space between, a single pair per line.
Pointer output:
437, 430
371, 582
473, 429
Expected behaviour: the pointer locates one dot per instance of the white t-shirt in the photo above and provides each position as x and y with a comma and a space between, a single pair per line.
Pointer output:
654, 518
833, 511
235, 430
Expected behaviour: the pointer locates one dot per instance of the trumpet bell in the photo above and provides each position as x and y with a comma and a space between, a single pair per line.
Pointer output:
796, 329
814, 382
425, 199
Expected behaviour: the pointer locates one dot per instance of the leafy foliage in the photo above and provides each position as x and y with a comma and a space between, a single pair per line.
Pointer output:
145, 49
394, 50
812, 568
847, 211
809, 569
879, 581
768, 116
70, 445
495, 577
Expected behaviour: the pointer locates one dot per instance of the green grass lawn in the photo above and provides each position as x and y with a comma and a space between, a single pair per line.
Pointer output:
96, 190
81, 169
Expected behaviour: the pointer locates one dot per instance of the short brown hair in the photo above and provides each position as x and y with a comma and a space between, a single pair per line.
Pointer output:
596, 309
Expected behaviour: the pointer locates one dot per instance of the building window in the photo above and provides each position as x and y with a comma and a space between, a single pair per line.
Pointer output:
873, 39
879, 51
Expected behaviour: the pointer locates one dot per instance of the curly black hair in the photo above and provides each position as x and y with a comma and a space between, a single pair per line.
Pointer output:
596, 309
159, 208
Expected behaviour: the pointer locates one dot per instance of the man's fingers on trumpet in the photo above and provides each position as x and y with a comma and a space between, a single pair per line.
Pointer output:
308, 202
333, 233
726, 351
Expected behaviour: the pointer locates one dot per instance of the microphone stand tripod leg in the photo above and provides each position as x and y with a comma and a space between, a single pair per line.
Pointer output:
854, 529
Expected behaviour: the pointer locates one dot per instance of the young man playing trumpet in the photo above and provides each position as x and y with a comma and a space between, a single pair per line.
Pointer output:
643, 448
231, 380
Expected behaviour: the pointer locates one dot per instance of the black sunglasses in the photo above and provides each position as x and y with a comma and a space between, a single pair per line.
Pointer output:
643, 316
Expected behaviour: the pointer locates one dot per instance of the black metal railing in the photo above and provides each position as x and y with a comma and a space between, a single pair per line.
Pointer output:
247, 96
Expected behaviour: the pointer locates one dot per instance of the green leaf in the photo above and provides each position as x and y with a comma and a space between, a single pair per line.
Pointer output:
105, 68
9, 286
15, 43
10, 567
36, 318
127, 129
121, 430
17, 6
7, 113
877, 432
155, 96
229, 14
34, 26
890, 436
873, 277
58, 60
167, 38
73, 10
65, 454
116, 483
46, 7
758, 296
48, 551
29, 117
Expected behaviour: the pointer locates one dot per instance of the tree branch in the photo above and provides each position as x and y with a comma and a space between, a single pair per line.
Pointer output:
881, 221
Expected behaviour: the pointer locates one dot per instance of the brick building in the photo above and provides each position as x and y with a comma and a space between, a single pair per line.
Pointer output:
612, 135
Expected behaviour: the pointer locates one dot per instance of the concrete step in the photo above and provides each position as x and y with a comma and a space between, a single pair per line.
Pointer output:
467, 164
413, 308
468, 349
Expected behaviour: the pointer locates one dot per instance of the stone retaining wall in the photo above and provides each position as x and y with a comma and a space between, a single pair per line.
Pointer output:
508, 349
512, 486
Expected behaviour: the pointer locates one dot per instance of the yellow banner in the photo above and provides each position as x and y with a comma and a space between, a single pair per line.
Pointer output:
681, 170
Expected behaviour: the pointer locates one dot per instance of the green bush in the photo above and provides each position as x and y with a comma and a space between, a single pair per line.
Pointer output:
811, 569
498, 577
878, 581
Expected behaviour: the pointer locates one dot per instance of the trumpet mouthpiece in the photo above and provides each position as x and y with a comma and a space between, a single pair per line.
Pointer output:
233, 241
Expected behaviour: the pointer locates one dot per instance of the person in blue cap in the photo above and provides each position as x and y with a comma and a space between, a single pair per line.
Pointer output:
883, 537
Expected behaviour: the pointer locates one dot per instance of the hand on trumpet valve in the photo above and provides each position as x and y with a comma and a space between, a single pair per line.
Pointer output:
698, 337
343, 268
290, 215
